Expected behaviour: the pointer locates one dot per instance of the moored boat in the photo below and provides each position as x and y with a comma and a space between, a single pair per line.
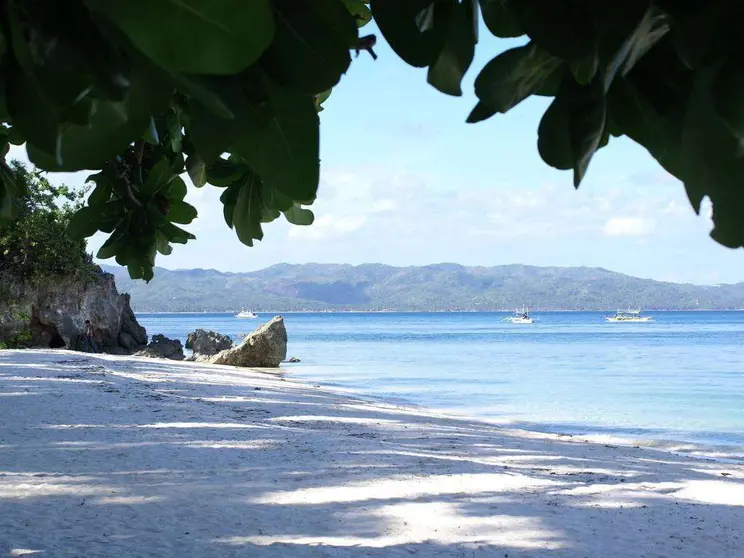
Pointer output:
628, 316
520, 317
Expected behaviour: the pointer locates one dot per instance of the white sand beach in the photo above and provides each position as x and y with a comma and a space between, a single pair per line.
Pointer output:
116, 456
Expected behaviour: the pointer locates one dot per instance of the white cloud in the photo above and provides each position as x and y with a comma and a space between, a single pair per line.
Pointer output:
628, 226
329, 226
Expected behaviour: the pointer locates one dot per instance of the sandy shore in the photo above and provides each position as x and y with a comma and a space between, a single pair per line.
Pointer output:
112, 456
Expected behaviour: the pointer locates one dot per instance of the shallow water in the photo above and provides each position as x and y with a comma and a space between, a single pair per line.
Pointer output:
678, 378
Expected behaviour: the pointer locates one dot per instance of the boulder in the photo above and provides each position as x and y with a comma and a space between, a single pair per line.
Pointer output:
52, 313
264, 348
162, 347
127, 341
207, 343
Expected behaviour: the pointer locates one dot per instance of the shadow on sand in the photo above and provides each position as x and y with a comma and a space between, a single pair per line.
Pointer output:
128, 457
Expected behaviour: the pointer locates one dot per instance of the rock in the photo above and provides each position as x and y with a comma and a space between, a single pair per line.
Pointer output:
129, 323
264, 348
207, 343
162, 347
127, 341
294, 359
53, 313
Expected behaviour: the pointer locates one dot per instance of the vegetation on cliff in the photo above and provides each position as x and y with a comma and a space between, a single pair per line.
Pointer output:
34, 245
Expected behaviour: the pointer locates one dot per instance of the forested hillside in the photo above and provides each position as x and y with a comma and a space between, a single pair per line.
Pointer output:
441, 287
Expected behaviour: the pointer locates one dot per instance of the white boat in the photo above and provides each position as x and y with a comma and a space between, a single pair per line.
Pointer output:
246, 314
631, 316
520, 317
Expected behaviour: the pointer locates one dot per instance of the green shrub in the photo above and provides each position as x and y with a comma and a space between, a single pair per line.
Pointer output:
35, 247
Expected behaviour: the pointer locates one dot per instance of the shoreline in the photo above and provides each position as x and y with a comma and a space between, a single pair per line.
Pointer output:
705, 451
104, 455
505, 311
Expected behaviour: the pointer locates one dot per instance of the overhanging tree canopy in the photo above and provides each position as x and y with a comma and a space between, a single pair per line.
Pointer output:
228, 91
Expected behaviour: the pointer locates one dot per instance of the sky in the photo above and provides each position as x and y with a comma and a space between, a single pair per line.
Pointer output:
405, 181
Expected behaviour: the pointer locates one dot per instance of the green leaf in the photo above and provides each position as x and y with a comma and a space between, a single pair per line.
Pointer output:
222, 173
587, 117
499, 18
210, 135
553, 139
454, 59
151, 134
299, 216
162, 243
83, 223
479, 113
102, 192
197, 170
229, 198
274, 199
514, 75
158, 177
15, 137
726, 88
360, 11
119, 239
320, 98
174, 190
31, 114
652, 27
181, 212
310, 50
247, 213
215, 37
562, 27
176, 234
207, 91
107, 134
407, 27
633, 115
11, 194
284, 150
708, 165
585, 68
175, 128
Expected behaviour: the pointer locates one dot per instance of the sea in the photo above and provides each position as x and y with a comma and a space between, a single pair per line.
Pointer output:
675, 383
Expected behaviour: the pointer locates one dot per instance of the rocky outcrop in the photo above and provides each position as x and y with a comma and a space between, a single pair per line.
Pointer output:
53, 313
207, 343
162, 347
264, 348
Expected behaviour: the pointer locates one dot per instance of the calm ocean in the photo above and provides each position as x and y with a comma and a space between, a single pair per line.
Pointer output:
679, 378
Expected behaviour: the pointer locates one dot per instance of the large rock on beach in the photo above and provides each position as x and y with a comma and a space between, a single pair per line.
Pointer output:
52, 313
207, 343
264, 348
162, 347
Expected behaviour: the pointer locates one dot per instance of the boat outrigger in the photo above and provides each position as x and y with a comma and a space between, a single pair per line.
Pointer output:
628, 316
520, 317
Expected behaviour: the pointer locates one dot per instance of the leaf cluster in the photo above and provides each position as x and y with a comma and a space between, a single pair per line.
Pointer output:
226, 91
668, 75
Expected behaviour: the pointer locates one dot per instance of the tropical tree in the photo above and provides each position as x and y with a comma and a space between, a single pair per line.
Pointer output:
34, 245
228, 91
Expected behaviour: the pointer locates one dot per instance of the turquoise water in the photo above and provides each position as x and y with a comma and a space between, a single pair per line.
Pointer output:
680, 377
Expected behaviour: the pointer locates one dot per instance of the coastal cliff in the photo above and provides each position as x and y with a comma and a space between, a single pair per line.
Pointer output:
52, 313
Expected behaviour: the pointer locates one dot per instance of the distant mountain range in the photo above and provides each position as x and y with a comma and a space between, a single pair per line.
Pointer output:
440, 287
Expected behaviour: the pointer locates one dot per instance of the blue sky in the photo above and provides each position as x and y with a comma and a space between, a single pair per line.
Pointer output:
405, 181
